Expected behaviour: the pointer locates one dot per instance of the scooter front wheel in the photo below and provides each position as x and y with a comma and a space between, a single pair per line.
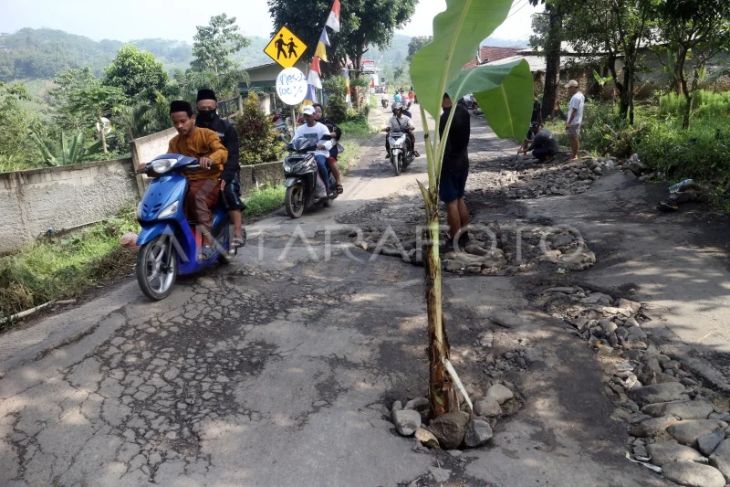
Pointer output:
294, 201
157, 268
395, 161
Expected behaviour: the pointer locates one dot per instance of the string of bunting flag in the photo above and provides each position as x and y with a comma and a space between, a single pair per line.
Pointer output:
314, 80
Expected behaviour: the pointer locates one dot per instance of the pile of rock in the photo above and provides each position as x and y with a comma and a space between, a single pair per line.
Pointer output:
527, 178
458, 429
677, 426
493, 249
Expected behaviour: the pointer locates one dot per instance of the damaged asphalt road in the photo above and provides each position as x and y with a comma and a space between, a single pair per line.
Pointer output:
281, 368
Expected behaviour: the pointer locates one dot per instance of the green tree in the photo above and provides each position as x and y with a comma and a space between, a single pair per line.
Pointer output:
16, 122
415, 44
214, 45
696, 30
137, 73
66, 151
364, 23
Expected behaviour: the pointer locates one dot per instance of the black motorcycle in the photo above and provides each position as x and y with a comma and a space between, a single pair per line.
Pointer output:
401, 152
300, 173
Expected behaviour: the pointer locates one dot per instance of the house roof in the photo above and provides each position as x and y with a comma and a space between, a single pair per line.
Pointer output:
492, 53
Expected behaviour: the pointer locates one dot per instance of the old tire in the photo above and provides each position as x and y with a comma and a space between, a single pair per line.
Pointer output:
157, 268
294, 201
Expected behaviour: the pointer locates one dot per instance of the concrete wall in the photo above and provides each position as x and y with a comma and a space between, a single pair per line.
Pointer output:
257, 175
31, 202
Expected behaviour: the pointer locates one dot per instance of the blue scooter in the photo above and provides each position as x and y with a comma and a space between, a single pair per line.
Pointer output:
168, 245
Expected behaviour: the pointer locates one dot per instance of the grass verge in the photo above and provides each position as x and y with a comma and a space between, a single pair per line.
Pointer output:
264, 200
66, 266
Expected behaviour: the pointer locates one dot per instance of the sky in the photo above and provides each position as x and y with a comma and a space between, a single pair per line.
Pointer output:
126, 20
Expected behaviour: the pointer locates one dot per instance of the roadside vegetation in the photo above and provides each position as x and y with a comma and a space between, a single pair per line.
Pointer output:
658, 137
64, 266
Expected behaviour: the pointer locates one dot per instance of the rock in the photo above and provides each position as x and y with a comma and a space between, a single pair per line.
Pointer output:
488, 407
418, 404
652, 427
709, 442
478, 432
406, 421
608, 326
397, 406
693, 474
440, 475
631, 323
449, 429
654, 393
697, 409
427, 438
688, 431
720, 458
598, 298
668, 451
499, 393
637, 333
627, 304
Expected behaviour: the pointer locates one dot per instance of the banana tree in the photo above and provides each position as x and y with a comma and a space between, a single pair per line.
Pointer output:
504, 93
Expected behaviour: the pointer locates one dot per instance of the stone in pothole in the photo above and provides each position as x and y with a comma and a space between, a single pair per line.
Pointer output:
449, 429
655, 393
720, 458
427, 438
488, 407
499, 393
406, 421
688, 431
663, 452
697, 409
709, 442
652, 427
693, 474
478, 432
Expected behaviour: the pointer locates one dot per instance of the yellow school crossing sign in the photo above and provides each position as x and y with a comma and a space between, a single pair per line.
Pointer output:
285, 48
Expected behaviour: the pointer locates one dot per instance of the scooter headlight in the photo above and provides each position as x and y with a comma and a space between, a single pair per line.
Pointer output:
169, 211
161, 166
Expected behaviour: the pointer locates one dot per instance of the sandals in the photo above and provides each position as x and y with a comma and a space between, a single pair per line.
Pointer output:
237, 242
339, 189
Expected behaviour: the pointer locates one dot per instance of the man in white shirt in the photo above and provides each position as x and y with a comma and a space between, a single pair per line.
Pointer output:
400, 122
316, 132
575, 117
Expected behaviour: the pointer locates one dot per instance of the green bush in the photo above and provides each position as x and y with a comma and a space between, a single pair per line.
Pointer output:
706, 104
258, 139
699, 152
335, 87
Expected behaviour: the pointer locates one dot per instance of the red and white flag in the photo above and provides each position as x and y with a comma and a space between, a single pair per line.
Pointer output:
333, 21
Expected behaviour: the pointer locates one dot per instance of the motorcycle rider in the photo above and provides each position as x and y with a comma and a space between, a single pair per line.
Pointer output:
207, 117
317, 133
203, 186
334, 151
400, 123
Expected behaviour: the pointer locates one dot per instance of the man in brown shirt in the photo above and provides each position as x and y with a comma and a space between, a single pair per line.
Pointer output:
203, 184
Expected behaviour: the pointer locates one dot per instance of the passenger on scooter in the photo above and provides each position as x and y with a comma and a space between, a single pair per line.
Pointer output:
334, 151
208, 118
317, 133
203, 185
400, 123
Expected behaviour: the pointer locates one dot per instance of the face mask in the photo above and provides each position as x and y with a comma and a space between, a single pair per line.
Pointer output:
206, 116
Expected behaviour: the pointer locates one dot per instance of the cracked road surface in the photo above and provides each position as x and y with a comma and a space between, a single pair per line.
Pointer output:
279, 369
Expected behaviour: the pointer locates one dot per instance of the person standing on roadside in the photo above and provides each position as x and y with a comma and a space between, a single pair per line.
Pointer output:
207, 117
575, 117
455, 170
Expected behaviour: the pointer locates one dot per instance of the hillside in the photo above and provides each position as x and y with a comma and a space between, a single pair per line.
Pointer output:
42, 53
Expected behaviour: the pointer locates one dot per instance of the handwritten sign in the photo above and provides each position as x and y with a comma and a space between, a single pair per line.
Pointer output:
291, 86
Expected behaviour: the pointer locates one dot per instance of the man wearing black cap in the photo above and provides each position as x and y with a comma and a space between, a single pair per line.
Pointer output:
207, 117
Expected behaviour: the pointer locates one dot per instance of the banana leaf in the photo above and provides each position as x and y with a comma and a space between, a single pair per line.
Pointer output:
457, 33
504, 93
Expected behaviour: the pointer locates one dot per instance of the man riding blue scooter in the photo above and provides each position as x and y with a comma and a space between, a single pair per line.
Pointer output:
186, 187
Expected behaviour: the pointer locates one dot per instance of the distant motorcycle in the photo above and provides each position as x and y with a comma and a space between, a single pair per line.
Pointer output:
168, 245
300, 172
281, 127
384, 102
401, 152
